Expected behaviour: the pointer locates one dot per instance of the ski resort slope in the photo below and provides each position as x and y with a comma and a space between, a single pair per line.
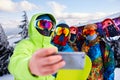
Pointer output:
10, 77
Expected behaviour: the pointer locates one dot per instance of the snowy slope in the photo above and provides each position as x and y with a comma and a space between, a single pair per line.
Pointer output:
117, 74
7, 77
10, 77
100, 20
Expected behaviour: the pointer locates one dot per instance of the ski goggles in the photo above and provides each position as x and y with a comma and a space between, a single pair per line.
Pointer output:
89, 32
61, 30
44, 24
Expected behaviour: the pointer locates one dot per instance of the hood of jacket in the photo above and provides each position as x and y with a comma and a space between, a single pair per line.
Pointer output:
37, 38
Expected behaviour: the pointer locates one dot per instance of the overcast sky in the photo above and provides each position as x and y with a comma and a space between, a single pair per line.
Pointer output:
71, 11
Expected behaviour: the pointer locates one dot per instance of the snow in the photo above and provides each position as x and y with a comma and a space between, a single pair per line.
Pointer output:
7, 77
13, 38
117, 74
115, 15
10, 77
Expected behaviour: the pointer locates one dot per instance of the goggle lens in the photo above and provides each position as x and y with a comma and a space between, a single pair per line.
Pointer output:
61, 30
89, 32
44, 24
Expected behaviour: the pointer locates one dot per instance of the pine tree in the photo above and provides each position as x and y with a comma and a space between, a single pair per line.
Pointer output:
3, 37
24, 26
5, 52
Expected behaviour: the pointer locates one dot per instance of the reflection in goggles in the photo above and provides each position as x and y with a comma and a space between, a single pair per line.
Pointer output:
61, 30
44, 24
89, 32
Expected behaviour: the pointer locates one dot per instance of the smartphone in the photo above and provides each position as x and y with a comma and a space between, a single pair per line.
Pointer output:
74, 60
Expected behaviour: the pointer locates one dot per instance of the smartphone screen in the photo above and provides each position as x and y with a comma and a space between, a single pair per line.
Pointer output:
74, 60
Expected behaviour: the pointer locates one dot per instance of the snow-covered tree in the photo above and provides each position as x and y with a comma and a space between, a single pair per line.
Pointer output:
24, 26
3, 37
5, 52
